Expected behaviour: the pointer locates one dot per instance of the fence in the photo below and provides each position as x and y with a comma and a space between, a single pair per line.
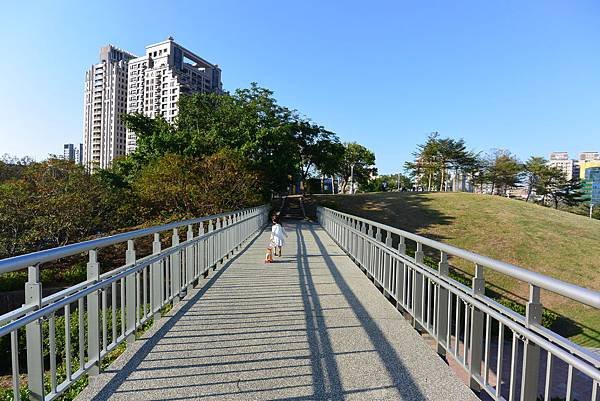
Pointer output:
469, 326
107, 309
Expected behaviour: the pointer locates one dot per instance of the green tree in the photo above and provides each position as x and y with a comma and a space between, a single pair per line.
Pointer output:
357, 161
535, 167
503, 171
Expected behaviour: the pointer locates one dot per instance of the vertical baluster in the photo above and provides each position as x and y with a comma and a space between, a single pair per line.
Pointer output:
14, 353
569, 393
175, 262
33, 332
595, 386
467, 317
156, 279
131, 295
457, 327
500, 362
487, 346
113, 305
68, 365
122, 304
418, 288
81, 335
52, 349
443, 300
145, 290
513, 367
189, 260
549, 378
104, 321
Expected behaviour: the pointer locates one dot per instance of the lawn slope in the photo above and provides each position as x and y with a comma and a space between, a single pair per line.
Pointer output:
559, 244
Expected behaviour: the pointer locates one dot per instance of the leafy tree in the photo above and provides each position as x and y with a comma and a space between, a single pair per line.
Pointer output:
535, 168
503, 171
357, 160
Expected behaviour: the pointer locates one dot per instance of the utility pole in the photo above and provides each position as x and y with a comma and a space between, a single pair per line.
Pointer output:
352, 178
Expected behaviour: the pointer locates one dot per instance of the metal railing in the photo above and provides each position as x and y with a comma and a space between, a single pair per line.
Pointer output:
468, 326
107, 309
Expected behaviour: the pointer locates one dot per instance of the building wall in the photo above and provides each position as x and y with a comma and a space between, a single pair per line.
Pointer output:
105, 99
157, 80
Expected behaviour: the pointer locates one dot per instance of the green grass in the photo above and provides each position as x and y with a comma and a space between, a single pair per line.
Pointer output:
555, 243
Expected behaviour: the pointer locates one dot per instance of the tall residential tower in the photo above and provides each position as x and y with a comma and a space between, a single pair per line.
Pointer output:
105, 99
157, 79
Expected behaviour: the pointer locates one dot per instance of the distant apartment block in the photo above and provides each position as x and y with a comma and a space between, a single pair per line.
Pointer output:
105, 99
157, 79
588, 161
73, 152
562, 161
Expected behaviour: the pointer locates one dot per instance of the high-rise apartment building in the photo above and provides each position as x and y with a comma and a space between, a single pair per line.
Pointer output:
562, 161
73, 152
105, 99
587, 160
69, 151
157, 79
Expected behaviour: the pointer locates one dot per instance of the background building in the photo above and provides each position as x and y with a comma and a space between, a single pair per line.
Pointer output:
562, 161
157, 79
105, 99
586, 161
73, 152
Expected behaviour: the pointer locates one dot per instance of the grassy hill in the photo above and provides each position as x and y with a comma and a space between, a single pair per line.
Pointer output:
559, 244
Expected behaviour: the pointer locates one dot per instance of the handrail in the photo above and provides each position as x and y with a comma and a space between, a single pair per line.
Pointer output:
572, 291
35, 258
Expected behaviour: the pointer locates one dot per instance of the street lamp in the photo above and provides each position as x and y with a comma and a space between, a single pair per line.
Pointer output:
352, 178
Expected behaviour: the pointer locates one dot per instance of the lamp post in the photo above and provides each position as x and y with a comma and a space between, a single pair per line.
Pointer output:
352, 178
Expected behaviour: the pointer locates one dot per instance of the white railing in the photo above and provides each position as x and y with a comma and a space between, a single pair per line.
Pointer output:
467, 325
109, 308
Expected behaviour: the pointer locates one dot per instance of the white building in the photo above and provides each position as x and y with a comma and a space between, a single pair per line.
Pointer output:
562, 161
105, 99
156, 81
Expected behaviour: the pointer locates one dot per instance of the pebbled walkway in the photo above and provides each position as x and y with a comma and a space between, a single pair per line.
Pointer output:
309, 327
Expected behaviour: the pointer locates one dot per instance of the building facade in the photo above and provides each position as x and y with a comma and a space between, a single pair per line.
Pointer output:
105, 99
562, 161
73, 152
157, 79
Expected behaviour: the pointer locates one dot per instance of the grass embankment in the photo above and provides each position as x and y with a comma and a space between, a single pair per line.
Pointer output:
555, 243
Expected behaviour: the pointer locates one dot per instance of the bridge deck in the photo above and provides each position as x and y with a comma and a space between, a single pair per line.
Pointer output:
310, 326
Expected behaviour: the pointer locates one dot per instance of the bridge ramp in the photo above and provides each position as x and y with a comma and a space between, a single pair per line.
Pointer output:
310, 326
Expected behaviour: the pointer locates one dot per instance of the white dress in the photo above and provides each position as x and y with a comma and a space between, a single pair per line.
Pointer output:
277, 235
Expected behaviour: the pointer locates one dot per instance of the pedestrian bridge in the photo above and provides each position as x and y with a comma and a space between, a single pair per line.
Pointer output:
349, 312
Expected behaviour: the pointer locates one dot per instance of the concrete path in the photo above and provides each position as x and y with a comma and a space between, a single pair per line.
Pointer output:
309, 327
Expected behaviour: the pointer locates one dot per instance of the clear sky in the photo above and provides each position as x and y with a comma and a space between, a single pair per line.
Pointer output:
512, 74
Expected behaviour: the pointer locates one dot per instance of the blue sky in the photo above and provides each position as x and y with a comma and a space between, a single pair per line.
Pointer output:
512, 74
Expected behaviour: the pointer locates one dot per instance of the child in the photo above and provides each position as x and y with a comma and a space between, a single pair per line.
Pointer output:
277, 234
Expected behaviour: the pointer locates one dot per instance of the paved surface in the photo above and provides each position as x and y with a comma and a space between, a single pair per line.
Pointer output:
309, 327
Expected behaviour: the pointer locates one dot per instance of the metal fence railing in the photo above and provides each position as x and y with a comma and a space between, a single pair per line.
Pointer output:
69, 333
506, 355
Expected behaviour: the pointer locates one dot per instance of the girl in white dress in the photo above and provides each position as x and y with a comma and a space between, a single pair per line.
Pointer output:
277, 235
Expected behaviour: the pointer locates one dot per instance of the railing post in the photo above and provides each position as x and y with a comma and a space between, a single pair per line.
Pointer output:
33, 332
531, 351
93, 315
476, 338
190, 259
387, 266
175, 268
442, 307
130, 294
418, 289
400, 276
157, 278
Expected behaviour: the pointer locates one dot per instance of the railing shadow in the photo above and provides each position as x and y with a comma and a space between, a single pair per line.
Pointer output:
136, 359
396, 370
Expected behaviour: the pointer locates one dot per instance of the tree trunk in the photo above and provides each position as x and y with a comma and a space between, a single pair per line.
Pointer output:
429, 182
442, 180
